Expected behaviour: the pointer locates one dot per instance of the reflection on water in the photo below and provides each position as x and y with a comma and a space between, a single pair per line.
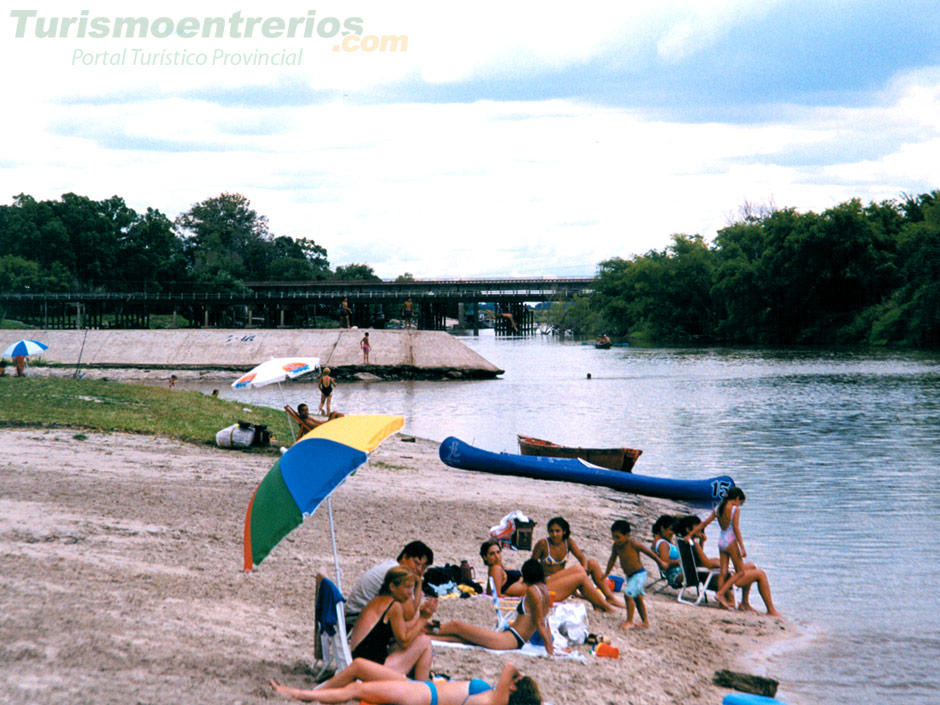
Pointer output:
837, 452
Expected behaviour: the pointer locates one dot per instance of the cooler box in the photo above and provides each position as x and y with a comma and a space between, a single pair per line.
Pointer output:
522, 535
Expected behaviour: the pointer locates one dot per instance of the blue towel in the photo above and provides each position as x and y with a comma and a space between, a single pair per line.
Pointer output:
328, 596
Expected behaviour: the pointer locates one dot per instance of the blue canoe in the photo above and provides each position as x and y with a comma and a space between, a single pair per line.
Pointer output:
457, 454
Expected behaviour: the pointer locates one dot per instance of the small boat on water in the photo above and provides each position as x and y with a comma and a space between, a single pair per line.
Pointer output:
704, 492
611, 458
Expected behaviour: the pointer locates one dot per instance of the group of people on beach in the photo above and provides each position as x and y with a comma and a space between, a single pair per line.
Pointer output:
391, 623
734, 572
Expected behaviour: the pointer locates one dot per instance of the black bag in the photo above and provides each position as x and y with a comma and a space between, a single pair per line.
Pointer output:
262, 437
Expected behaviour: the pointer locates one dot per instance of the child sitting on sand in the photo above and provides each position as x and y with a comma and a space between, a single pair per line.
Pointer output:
628, 551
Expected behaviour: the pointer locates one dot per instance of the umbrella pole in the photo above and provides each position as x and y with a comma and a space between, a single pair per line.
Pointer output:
290, 426
339, 573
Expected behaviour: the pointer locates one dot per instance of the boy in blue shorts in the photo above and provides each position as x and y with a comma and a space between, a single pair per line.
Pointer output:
628, 551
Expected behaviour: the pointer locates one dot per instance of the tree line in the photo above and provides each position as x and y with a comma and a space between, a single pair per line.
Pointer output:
854, 274
76, 244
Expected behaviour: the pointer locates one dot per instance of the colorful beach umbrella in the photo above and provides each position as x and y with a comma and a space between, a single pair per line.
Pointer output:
277, 369
306, 475
24, 348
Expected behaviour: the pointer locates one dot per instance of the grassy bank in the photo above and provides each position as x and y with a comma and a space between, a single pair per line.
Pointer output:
134, 408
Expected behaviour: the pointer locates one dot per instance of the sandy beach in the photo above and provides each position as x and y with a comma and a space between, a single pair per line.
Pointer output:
120, 564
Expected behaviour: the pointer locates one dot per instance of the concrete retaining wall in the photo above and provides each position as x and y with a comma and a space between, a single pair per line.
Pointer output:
242, 349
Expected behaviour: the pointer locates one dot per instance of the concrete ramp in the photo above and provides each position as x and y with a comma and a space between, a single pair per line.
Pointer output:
395, 353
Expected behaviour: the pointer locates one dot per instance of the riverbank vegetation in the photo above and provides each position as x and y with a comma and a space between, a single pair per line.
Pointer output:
101, 405
853, 274
219, 244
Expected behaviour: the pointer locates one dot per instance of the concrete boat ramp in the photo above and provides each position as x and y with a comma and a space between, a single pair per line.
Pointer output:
396, 354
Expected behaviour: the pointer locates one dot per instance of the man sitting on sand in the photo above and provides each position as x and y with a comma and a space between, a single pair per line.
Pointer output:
416, 557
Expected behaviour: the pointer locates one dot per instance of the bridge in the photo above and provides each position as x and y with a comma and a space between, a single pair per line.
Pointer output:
306, 304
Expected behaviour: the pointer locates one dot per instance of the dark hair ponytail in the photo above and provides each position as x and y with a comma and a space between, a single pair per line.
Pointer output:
732, 494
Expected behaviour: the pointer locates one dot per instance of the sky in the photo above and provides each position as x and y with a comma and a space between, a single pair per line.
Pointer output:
485, 139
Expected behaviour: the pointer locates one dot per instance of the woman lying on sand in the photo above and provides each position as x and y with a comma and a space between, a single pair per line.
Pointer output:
533, 616
372, 683
552, 553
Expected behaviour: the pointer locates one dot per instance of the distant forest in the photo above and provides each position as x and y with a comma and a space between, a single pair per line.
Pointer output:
853, 275
77, 244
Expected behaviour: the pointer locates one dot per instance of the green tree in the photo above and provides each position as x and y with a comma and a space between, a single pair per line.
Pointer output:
223, 237
356, 272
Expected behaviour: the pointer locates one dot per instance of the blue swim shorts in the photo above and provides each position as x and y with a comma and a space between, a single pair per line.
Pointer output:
635, 584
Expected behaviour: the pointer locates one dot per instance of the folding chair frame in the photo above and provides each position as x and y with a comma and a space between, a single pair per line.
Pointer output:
331, 649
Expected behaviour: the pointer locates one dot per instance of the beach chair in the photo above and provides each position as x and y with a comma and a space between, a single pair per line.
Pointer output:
331, 644
664, 579
504, 610
693, 575
305, 425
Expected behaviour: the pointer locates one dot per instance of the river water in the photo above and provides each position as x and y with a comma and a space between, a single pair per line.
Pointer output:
837, 452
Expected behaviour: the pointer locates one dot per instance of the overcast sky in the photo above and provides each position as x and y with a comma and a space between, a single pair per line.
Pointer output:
508, 139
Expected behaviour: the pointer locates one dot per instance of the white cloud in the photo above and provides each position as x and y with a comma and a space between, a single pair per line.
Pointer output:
475, 188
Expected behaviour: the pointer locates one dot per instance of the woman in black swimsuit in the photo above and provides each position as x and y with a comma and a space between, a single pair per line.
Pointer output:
326, 384
382, 635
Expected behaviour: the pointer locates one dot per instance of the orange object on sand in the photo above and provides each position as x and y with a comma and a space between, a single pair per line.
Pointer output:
607, 650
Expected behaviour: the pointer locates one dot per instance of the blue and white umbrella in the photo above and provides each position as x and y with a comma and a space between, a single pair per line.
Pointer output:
25, 348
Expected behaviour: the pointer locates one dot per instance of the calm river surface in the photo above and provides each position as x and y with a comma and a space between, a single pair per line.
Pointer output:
837, 452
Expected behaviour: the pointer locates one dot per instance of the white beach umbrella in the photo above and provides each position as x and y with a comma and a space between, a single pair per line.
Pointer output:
277, 370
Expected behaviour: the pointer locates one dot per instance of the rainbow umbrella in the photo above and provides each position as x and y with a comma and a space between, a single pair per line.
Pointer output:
306, 475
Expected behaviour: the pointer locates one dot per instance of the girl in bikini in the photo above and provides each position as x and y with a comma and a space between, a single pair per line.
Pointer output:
382, 635
561, 585
552, 553
366, 348
533, 617
371, 683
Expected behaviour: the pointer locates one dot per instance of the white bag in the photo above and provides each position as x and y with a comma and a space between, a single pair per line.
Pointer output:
235, 437
506, 525
569, 619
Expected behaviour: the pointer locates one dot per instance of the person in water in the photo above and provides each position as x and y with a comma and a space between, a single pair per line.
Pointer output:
532, 617
326, 384
368, 682
552, 552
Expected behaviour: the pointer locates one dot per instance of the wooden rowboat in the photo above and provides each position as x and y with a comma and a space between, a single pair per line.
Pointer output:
612, 458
